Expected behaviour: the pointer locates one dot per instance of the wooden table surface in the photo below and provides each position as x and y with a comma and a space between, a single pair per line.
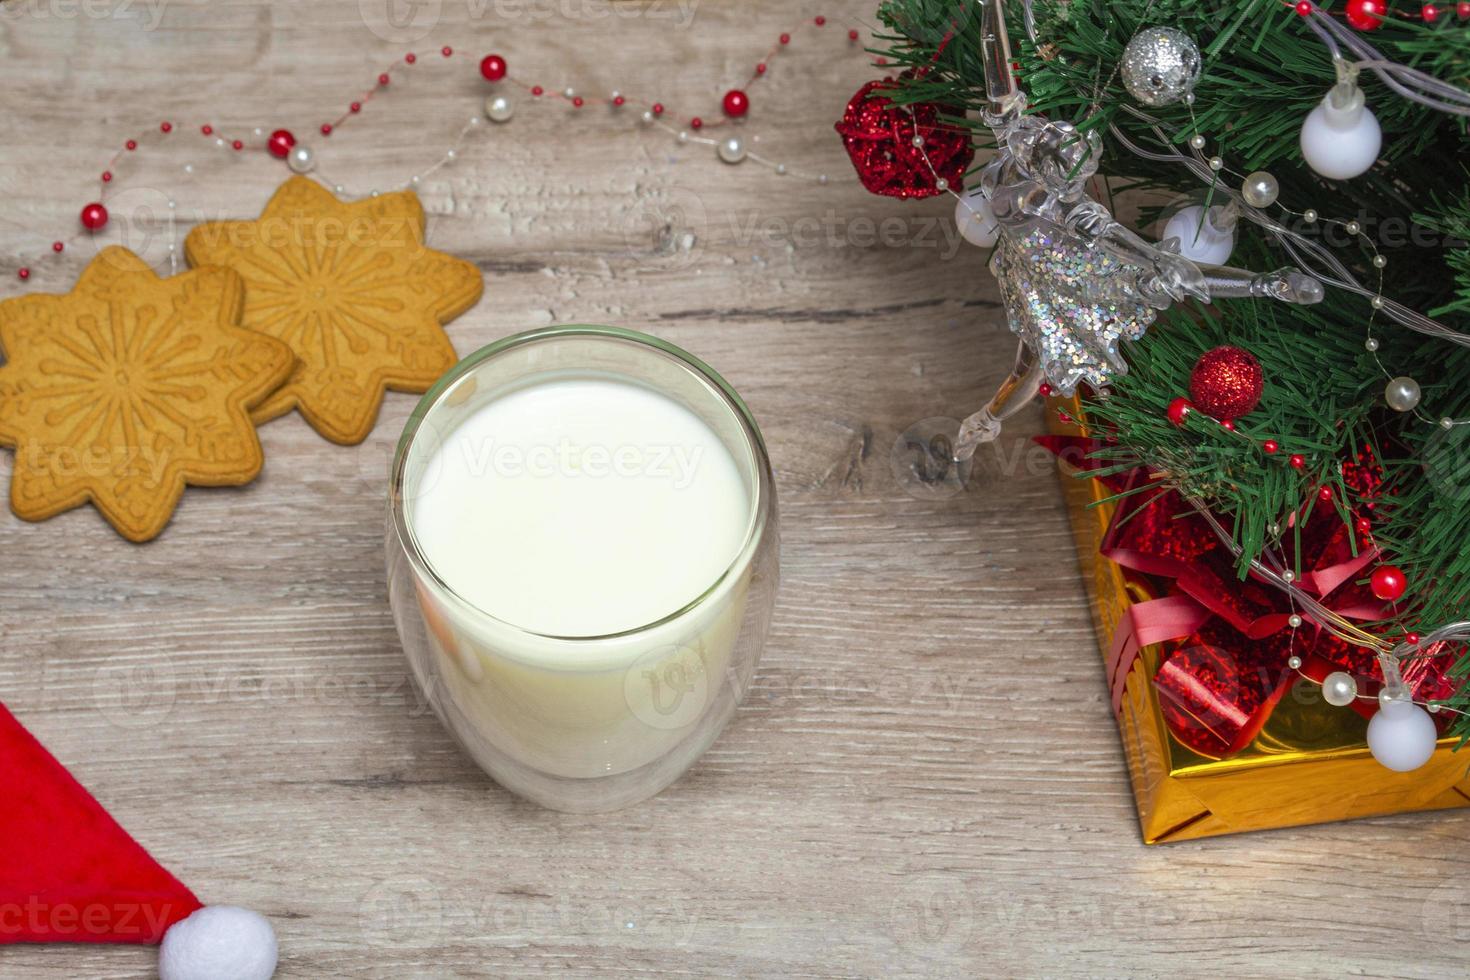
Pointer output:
925, 778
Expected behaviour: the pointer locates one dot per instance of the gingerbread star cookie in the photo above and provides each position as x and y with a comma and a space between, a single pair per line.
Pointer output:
353, 290
129, 387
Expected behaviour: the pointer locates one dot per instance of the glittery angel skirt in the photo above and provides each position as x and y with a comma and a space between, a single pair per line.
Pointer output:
1071, 301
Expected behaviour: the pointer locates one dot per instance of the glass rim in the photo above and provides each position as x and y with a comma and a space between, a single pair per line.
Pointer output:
761, 489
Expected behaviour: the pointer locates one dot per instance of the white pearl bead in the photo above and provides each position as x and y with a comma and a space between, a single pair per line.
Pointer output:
475, 120
1446, 423
1197, 141
1339, 689
172, 204
372, 193
1402, 394
257, 131
338, 189
1402, 736
731, 149
569, 92
917, 140
188, 168
1376, 302
219, 142
1288, 576
1294, 662
1310, 216
1260, 189
1294, 621
683, 136
499, 108
615, 95
301, 159
414, 180
1352, 227
1371, 344
941, 185
647, 116
781, 169
821, 178
1379, 261
1340, 137
1201, 239
451, 155
1216, 163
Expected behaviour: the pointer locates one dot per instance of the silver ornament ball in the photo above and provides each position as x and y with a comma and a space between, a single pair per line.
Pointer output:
1260, 189
1160, 66
499, 109
300, 159
1339, 688
731, 149
1402, 394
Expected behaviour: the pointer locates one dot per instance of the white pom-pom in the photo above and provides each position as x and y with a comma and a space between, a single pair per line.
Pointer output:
220, 942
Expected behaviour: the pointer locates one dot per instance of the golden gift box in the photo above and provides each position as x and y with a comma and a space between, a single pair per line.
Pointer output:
1309, 763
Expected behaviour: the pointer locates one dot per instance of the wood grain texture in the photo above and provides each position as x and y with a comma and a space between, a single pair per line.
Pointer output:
925, 779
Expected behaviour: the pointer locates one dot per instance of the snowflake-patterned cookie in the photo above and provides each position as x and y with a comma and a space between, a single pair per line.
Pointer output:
128, 388
353, 290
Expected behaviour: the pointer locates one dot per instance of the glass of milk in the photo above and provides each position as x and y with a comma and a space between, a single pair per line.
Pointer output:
582, 560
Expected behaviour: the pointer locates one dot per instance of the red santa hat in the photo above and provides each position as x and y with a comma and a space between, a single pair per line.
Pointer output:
70, 874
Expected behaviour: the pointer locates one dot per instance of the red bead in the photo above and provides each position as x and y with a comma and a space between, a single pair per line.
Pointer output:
736, 103
410, 58
238, 145
537, 90
1270, 446
1429, 12
280, 143
107, 176
1179, 408
446, 51
493, 67
1388, 582
618, 100
131, 144
1064, 418
760, 69
1304, 7
207, 129
1044, 389
696, 123
355, 107
577, 101
819, 20
326, 129
785, 38
1298, 461
166, 127
24, 273
1365, 15
1364, 525
57, 246
1227, 425
1324, 494
383, 79
852, 35
94, 216
1462, 10
1412, 639
658, 108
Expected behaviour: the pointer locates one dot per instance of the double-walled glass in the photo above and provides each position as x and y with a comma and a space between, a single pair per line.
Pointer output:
584, 723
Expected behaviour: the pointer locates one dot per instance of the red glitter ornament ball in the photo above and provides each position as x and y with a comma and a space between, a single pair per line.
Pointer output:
1226, 382
1388, 582
1365, 15
737, 103
492, 66
94, 216
280, 143
879, 137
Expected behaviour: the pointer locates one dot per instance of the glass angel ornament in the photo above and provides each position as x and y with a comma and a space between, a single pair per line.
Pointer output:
1074, 281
